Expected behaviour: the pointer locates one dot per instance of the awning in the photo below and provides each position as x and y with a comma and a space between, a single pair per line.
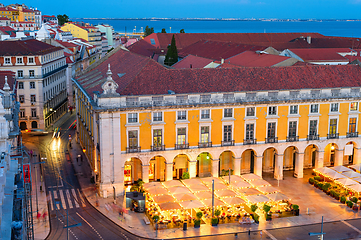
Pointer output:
185, 196
340, 168
233, 201
248, 191
191, 204
178, 189
259, 183
268, 189
351, 174
172, 183
277, 197
198, 188
152, 184
192, 181
157, 191
250, 176
257, 199
356, 188
203, 195
357, 167
163, 198
225, 193
217, 202
324, 170
169, 206
208, 180
346, 181
334, 175
234, 178
241, 184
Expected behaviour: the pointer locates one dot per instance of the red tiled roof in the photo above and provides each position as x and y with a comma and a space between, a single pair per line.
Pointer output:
4, 18
162, 40
192, 61
319, 42
227, 65
253, 59
143, 48
25, 47
321, 54
143, 76
67, 44
216, 50
7, 9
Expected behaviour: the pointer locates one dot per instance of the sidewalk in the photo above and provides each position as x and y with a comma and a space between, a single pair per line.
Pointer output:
307, 197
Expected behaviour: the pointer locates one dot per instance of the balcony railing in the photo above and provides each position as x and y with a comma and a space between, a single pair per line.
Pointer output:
204, 144
227, 143
272, 140
23, 118
133, 149
182, 146
352, 134
249, 141
34, 118
292, 139
158, 147
313, 137
332, 135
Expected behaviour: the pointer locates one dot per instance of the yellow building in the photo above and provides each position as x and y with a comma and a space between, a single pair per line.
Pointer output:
26, 15
87, 33
137, 119
10, 13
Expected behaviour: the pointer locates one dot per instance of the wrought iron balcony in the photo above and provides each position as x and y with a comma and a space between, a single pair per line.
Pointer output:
182, 146
292, 139
158, 147
352, 134
249, 141
227, 143
272, 140
332, 135
133, 149
313, 137
204, 144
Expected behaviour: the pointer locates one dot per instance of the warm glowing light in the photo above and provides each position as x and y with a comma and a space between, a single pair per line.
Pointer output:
84, 150
332, 147
129, 159
51, 109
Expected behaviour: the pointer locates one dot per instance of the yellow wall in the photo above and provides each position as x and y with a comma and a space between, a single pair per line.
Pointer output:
75, 31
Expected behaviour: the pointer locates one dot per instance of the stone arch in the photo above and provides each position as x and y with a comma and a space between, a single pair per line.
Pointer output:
311, 156
23, 126
248, 161
132, 170
290, 157
180, 165
157, 168
204, 165
34, 124
226, 162
350, 153
269, 161
329, 157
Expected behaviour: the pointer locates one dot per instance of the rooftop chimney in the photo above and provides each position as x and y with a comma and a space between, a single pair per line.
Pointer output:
222, 61
309, 39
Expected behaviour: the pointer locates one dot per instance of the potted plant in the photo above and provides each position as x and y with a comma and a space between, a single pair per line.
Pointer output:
337, 195
343, 199
254, 208
214, 222
355, 205
325, 187
197, 222
155, 218
349, 204
315, 183
311, 180
255, 218
185, 175
296, 209
266, 209
318, 178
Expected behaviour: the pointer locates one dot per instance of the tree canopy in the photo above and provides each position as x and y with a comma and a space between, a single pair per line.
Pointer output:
172, 54
62, 19
163, 30
182, 31
148, 31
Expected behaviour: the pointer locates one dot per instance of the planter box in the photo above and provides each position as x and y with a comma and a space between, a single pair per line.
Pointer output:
355, 208
296, 212
198, 226
214, 224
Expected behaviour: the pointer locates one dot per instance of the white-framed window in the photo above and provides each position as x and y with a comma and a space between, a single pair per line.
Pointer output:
157, 117
7, 61
157, 138
133, 139
204, 134
32, 85
272, 110
292, 128
132, 117
333, 126
19, 60
250, 131
353, 106
334, 107
314, 108
20, 73
22, 113
250, 111
31, 73
228, 112
33, 112
352, 123
21, 98
205, 114
33, 98
271, 129
21, 85
294, 109
31, 60
227, 133
181, 135
182, 115
313, 127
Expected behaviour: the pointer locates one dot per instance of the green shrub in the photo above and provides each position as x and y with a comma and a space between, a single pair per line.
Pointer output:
256, 217
349, 203
185, 175
333, 193
156, 218
197, 222
311, 180
337, 194
266, 208
295, 207
318, 178
320, 185
254, 207
217, 212
199, 215
214, 221
343, 199
326, 186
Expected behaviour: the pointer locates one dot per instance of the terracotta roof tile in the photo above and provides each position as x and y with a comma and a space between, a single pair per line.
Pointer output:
192, 61
25, 47
253, 59
321, 54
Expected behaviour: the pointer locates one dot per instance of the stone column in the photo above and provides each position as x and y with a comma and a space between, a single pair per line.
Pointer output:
356, 155
192, 169
168, 171
145, 173
319, 159
215, 167
299, 165
258, 165
278, 168
338, 157
237, 166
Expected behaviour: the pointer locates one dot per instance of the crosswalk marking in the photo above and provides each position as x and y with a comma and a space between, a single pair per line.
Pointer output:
81, 199
75, 198
69, 199
51, 202
62, 199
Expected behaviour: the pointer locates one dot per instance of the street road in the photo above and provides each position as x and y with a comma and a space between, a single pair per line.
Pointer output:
66, 203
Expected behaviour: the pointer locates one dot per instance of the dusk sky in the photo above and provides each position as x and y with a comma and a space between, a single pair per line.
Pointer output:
335, 9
